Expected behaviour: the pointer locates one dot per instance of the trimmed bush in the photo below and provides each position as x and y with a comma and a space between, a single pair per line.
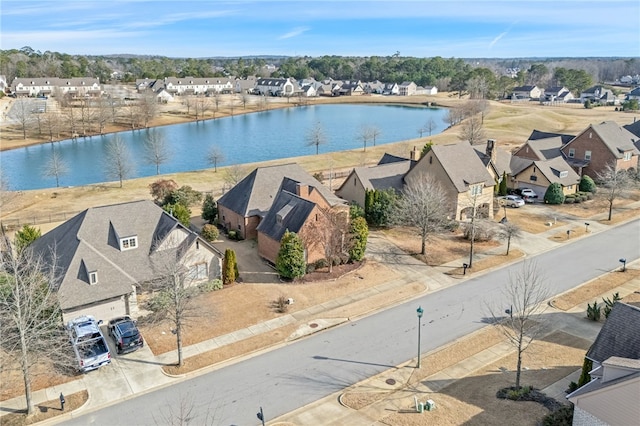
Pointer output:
554, 194
587, 184
210, 232
212, 285
290, 262
359, 236
209, 209
569, 200
229, 267
561, 417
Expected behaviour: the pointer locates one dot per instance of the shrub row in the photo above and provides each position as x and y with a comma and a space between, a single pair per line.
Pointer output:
578, 197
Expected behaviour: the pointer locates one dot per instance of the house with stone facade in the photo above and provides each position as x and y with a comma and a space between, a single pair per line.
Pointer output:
104, 255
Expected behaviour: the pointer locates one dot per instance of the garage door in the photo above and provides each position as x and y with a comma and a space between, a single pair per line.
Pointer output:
100, 311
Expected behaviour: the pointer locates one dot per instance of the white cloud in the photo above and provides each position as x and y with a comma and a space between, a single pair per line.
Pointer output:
294, 33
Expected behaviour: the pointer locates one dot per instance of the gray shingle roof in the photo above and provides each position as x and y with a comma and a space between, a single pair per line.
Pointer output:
89, 242
615, 137
634, 128
288, 212
537, 134
619, 336
552, 169
383, 176
503, 158
462, 164
254, 195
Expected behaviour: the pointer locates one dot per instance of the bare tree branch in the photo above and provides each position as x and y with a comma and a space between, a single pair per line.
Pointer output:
118, 163
156, 151
55, 166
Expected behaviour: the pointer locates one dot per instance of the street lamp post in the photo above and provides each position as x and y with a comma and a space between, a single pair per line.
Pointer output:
420, 311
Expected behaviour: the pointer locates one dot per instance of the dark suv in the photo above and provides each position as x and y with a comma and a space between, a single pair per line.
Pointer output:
125, 333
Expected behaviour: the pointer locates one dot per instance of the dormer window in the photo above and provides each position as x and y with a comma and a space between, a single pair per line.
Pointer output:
128, 243
93, 277
564, 174
475, 190
572, 152
587, 155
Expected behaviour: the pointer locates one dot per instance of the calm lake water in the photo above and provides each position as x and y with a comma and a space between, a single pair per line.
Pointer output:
245, 138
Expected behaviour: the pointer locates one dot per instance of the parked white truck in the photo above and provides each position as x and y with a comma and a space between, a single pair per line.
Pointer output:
88, 343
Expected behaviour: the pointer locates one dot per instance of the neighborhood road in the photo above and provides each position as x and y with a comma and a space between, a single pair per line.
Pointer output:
304, 371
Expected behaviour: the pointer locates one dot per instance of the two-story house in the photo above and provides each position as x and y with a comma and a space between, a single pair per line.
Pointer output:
599, 145
462, 175
104, 254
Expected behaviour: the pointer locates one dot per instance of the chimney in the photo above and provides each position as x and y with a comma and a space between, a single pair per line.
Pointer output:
414, 155
491, 151
302, 190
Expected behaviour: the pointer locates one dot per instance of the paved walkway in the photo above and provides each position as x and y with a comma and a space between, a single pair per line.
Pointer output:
141, 371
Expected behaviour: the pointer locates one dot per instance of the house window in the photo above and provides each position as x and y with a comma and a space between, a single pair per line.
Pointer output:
564, 174
570, 187
533, 178
430, 160
572, 153
627, 156
93, 278
198, 272
128, 243
587, 155
475, 190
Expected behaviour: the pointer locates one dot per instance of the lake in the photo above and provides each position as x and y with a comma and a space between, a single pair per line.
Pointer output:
244, 138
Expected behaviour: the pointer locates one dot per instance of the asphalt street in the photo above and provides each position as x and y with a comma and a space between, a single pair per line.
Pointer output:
306, 370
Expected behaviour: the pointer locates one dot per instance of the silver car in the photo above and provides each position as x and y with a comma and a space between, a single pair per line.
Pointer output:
511, 201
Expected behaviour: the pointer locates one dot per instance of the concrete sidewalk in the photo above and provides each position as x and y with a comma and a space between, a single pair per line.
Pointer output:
141, 371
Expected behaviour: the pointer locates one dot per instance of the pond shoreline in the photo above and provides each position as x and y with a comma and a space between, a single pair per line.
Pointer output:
176, 113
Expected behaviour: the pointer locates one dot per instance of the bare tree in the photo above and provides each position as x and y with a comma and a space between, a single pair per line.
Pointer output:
118, 161
234, 174
200, 106
215, 156
329, 232
147, 107
525, 295
508, 231
477, 87
156, 151
30, 316
55, 166
615, 184
453, 116
472, 131
182, 411
430, 125
316, 137
374, 132
177, 291
51, 124
423, 206
245, 98
364, 134
102, 113
22, 112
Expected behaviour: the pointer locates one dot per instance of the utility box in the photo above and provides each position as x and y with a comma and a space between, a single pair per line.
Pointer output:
420, 407
430, 405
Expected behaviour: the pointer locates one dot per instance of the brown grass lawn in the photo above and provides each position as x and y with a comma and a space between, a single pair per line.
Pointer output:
47, 410
255, 301
592, 290
441, 248
472, 400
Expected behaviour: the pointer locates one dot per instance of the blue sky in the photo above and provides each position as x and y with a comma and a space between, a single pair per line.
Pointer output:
447, 28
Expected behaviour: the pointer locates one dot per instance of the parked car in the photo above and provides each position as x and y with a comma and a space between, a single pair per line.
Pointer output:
88, 343
511, 201
528, 193
125, 333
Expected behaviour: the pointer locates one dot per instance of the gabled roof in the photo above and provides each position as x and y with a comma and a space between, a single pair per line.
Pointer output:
254, 195
619, 336
382, 176
90, 242
462, 165
546, 149
390, 158
634, 128
631, 365
556, 170
288, 212
618, 139
503, 158
537, 134
524, 88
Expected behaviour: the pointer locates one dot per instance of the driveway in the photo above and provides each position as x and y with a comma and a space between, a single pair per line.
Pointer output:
252, 268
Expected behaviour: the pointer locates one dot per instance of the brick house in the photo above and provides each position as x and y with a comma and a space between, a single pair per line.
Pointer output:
248, 202
599, 145
299, 208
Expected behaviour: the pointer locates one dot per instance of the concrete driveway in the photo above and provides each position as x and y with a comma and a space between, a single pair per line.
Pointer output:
252, 268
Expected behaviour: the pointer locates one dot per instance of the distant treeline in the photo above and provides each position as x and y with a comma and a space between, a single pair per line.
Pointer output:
489, 78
